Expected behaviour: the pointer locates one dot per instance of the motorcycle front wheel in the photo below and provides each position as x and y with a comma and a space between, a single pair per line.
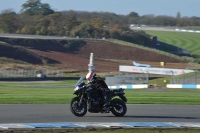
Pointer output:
119, 107
76, 109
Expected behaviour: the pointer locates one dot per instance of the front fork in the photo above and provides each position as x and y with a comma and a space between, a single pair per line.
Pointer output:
81, 99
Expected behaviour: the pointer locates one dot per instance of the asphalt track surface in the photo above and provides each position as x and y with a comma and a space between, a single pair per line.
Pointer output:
44, 113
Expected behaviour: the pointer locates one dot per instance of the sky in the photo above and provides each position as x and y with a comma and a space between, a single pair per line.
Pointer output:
186, 8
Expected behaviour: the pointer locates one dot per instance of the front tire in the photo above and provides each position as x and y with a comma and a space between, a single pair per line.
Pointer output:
76, 109
119, 107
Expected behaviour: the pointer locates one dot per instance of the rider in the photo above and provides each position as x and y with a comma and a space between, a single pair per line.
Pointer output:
99, 84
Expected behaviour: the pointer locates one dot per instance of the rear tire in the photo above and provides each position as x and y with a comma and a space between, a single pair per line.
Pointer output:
119, 107
76, 109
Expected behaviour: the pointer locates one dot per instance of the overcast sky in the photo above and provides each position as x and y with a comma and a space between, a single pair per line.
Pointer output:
142, 7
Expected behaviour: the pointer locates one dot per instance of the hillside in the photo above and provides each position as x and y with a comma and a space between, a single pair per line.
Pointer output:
73, 55
184, 40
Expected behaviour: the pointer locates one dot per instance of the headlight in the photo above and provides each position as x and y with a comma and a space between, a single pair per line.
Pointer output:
77, 88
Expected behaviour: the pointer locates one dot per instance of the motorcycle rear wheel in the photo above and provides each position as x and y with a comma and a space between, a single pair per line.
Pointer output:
76, 109
119, 107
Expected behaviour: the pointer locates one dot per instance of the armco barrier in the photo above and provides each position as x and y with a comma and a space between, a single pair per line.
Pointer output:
184, 86
135, 86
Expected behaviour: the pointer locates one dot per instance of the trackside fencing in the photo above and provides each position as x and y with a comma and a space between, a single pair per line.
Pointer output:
189, 78
123, 79
30, 73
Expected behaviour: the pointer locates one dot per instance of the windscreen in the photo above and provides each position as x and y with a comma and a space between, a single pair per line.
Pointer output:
79, 81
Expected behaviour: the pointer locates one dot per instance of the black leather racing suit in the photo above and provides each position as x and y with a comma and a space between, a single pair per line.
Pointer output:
100, 84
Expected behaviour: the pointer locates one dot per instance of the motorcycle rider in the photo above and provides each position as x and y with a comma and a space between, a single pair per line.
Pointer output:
99, 83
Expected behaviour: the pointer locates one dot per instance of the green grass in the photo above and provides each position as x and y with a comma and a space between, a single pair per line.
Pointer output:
188, 41
192, 27
169, 96
160, 81
56, 93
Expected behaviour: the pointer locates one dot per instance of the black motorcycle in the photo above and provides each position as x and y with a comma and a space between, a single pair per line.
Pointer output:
90, 99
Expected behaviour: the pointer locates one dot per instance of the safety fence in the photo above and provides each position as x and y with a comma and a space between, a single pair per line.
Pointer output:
145, 78
189, 78
30, 73
120, 79
125, 79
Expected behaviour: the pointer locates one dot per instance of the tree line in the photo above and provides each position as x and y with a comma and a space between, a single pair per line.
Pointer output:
39, 19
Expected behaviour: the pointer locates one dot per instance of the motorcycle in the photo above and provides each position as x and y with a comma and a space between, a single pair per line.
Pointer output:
89, 98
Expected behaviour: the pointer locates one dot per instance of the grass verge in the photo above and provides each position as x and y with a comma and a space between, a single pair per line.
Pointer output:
62, 93
185, 40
